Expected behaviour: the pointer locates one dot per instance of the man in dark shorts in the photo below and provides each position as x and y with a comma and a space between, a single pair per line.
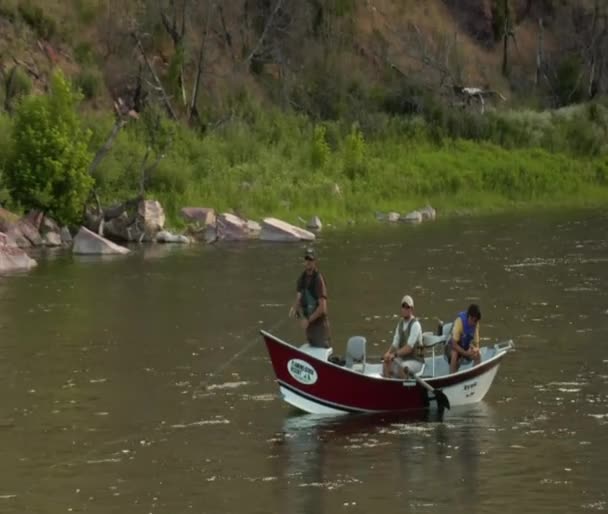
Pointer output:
311, 303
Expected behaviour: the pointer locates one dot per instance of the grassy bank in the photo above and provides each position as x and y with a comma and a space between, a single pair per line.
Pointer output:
262, 163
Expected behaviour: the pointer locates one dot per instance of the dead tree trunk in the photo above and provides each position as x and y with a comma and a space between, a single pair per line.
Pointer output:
159, 84
540, 58
177, 36
193, 110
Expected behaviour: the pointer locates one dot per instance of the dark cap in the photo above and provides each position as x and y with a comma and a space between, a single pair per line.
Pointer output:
309, 254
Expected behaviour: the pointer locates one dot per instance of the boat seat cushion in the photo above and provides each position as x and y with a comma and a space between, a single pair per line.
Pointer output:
355, 352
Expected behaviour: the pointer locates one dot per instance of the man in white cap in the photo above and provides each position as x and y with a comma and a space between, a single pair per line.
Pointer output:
406, 353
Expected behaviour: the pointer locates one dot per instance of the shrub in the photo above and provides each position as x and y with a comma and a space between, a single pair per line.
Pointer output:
49, 166
354, 154
83, 53
34, 16
320, 152
18, 84
568, 84
88, 81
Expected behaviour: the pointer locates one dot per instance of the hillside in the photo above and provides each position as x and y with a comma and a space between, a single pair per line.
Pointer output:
324, 58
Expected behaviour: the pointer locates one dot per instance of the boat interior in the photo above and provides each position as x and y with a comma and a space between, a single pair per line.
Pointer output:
435, 363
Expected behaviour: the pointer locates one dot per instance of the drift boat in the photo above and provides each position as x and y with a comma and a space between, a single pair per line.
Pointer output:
316, 381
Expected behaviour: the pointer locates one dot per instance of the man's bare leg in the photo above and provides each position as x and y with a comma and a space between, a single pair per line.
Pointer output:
454, 361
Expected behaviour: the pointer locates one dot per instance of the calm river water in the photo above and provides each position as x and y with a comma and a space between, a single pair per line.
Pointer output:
119, 392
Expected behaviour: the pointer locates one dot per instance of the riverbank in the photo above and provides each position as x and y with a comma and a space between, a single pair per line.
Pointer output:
268, 163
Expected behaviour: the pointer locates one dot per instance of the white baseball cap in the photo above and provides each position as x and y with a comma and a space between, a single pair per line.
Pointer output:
408, 300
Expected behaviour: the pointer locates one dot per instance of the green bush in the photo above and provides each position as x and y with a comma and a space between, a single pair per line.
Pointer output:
320, 152
83, 53
354, 154
17, 84
88, 81
49, 166
6, 150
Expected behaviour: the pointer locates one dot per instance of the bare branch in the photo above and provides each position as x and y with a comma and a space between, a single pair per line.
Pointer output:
156, 79
264, 32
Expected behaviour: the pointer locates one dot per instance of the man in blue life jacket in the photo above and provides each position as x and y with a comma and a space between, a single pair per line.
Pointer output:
406, 353
311, 303
463, 345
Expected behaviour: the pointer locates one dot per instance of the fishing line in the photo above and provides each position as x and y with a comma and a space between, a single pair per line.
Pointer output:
205, 384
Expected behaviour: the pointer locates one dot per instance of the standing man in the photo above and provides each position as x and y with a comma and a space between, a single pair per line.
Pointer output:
463, 344
311, 303
406, 353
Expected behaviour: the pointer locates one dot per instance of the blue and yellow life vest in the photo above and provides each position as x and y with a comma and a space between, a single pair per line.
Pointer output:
468, 331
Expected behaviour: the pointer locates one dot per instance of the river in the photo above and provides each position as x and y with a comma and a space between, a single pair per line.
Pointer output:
120, 393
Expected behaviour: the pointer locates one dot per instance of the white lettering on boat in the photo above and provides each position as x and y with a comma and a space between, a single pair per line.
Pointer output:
302, 371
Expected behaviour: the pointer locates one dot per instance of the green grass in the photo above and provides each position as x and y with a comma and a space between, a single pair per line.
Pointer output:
268, 163
275, 164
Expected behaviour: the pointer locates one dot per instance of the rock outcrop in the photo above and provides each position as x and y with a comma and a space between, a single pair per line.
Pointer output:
13, 258
274, 229
90, 243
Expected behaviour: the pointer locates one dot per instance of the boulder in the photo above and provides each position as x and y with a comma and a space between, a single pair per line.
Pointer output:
52, 239
22, 232
428, 213
315, 224
412, 217
276, 230
393, 217
50, 231
167, 237
49, 225
204, 216
89, 243
232, 228
130, 221
13, 258
7, 218
35, 218
66, 236
151, 217
122, 228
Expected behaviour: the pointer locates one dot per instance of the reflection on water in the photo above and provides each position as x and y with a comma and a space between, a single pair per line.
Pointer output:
414, 446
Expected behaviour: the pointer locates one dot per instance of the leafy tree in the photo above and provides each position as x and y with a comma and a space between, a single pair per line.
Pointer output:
49, 166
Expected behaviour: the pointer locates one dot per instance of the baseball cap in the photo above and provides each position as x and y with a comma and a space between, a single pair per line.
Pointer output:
309, 254
408, 300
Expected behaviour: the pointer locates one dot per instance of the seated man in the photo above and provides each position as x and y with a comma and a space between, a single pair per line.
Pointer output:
463, 345
406, 353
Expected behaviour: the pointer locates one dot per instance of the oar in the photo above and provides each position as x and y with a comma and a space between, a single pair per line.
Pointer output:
440, 397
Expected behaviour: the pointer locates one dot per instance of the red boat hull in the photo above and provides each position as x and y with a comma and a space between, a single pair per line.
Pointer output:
319, 386
341, 388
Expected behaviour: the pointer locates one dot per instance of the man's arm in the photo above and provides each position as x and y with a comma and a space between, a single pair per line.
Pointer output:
457, 331
392, 349
295, 308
